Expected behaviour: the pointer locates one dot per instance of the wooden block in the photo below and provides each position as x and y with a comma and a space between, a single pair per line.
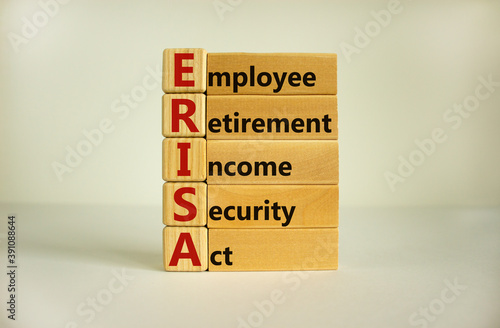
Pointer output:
184, 159
272, 162
273, 249
183, 115
267, 117
272, 74
185, 203
273, 206
184, 70
185, 249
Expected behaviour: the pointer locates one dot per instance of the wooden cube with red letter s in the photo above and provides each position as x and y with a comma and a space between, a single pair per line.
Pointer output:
185, 204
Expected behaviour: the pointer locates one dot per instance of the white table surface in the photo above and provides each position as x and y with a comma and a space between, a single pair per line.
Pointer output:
393, 263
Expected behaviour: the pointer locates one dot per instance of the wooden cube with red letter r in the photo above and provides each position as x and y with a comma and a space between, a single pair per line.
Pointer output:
183, 115
185, 248
184, 70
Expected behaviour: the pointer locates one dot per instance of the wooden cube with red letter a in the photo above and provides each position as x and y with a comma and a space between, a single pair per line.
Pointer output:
185, 248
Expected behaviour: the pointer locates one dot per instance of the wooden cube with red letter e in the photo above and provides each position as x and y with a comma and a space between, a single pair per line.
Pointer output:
184, 70
185, 248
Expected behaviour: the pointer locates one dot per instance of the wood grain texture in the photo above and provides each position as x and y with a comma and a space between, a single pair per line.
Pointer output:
324, 67
190, 209
172, 241
174, 104
312, 162
300, 206
196, 159
273, 249
198, 74
317, 114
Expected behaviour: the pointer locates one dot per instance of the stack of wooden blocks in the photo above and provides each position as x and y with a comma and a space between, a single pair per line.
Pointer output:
250, 157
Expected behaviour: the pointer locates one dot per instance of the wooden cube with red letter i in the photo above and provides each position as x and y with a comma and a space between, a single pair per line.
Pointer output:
184, 159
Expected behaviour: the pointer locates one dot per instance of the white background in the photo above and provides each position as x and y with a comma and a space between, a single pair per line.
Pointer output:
75, 69
440, 223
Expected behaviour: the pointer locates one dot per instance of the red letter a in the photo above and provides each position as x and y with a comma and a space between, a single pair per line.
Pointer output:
185, 237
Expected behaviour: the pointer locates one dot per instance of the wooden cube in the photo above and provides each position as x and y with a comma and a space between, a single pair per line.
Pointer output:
273, 249
183, 115
184, 70
272, 162
184, 159
272, 74
185, 248
185, 203
273, 206
265, 117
